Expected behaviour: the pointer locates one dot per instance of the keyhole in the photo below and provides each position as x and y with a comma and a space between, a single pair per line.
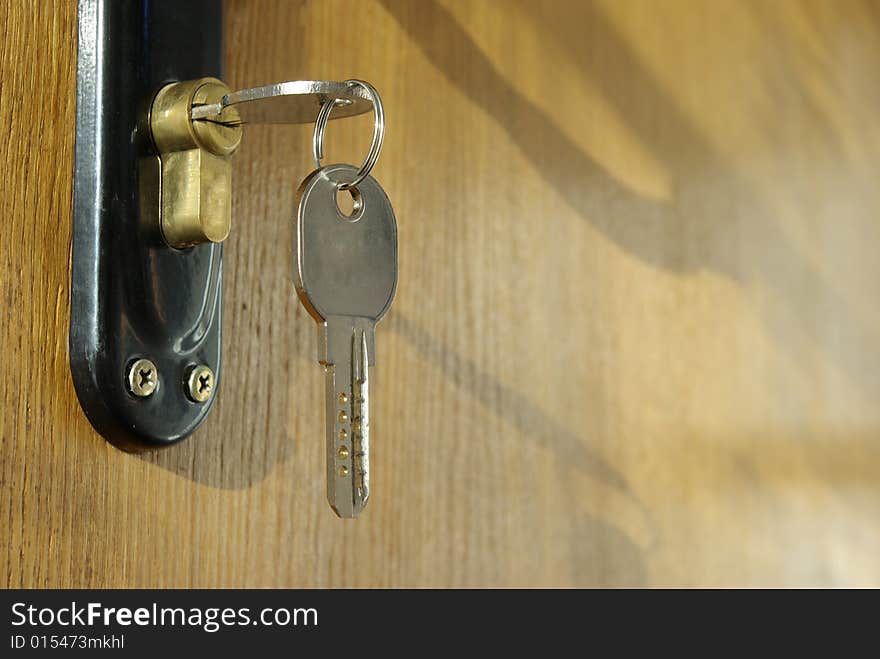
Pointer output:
349, 202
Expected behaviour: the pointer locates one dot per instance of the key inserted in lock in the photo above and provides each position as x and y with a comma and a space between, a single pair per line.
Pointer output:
196, 127
153, 161
195, 200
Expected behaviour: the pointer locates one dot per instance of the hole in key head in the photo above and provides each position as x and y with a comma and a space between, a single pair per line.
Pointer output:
349, 203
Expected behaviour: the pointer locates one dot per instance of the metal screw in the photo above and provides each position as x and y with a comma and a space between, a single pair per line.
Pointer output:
142, 378
199, 383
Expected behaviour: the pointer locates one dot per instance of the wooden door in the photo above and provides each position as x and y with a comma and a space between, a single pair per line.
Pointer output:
637, 334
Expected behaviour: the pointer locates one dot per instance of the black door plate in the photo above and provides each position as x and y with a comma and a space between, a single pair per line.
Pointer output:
131, 296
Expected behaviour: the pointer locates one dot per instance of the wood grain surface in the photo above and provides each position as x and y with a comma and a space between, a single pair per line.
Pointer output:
637, 334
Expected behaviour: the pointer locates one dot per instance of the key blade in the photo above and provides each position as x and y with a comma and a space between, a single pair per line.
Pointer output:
346, 365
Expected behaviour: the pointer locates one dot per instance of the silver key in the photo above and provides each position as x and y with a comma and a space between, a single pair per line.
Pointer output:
346, 276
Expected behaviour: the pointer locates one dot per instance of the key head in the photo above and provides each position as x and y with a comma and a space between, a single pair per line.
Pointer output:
345, 266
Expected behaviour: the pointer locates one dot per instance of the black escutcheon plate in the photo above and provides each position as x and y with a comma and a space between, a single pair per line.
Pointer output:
132, 296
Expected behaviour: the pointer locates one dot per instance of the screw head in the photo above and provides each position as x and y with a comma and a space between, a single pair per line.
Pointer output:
199, 383
142, 378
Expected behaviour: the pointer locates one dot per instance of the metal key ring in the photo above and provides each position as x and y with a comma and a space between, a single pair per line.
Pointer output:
378, 132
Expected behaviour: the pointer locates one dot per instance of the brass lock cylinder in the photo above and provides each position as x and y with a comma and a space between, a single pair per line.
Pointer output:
196, 171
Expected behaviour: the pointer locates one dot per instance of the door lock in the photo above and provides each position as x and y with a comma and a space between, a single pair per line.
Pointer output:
196, 126
195, 187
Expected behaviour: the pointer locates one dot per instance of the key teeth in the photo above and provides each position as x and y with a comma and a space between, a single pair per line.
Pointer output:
347, 369
360, 418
